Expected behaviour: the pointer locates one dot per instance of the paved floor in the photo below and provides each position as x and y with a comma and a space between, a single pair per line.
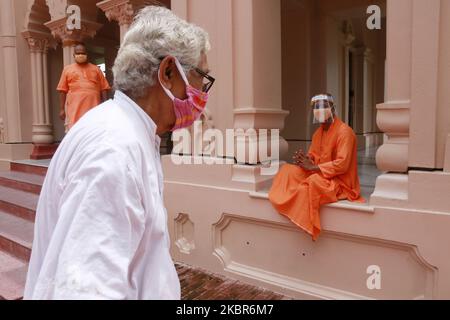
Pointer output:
198, 284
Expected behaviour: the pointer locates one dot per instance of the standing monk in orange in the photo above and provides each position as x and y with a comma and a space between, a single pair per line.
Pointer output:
328, 173
82, 87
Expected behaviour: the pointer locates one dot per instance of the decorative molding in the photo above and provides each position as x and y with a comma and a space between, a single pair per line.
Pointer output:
122, 11
369, 56
393, 118
184, 233
305, 287
43, 133
59, 30
38, 42
37, 14
349, 34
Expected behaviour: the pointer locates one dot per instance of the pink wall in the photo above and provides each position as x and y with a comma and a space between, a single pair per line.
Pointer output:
296, 68
443, 116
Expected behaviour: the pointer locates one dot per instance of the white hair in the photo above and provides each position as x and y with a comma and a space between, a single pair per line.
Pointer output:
156, 33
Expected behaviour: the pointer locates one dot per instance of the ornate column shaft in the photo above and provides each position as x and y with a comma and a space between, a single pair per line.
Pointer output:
42, 126
393, 117
8, 45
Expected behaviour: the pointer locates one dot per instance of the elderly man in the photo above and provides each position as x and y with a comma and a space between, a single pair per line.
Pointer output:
328, 173
101, 226
82, 87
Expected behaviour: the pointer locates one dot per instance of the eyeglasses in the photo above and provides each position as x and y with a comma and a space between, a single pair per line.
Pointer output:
207, 86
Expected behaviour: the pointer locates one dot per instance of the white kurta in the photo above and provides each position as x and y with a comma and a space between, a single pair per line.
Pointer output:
101, 226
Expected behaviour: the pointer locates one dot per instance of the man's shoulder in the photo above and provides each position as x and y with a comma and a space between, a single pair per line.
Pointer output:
111, 122
93, 66
67, 68
95, 140
114, 121
345, 129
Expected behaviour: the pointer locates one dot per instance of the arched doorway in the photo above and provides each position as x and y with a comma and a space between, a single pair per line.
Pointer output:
327, 47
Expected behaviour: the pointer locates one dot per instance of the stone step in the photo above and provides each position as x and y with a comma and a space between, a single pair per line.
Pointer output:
19, 203
22, 181
16, 236
38, 167
13, 273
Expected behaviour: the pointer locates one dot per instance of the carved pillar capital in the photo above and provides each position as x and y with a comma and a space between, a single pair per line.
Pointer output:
38, 45
69, 37
121, 11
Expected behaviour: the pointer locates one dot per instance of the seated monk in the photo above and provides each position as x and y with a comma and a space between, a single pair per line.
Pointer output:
327, 174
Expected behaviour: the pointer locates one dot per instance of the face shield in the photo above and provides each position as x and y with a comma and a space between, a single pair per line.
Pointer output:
322, 107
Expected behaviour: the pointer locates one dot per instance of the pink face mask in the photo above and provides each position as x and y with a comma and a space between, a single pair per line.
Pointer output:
187, 111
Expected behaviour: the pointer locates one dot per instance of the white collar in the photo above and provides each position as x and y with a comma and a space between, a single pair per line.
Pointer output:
124, 100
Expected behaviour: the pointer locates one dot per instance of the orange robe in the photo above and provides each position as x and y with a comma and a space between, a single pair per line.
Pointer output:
83, 85
298, 194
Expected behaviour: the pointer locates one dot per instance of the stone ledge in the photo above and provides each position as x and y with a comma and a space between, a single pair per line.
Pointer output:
347, 205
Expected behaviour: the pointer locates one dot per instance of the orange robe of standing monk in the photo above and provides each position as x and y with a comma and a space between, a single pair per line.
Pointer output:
83, 84
298, 194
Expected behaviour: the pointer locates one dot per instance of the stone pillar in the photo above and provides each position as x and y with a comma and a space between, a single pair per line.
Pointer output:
11, 110
68, 51
121, 11
393, 117
426, 35
410, 116
257, 85
69, 38
42, 126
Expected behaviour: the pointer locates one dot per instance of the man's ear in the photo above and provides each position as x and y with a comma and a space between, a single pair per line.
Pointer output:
166, 71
